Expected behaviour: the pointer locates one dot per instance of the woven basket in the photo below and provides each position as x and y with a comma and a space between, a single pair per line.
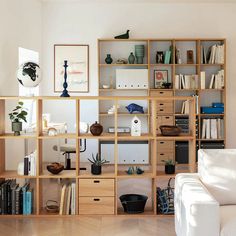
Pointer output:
169, 130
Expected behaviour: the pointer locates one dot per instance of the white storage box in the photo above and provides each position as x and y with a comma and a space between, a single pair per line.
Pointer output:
131, 79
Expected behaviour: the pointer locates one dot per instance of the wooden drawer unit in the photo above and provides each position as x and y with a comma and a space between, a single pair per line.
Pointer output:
96, 187
165, 107
164, 156
96, 205
161, 93
165, 146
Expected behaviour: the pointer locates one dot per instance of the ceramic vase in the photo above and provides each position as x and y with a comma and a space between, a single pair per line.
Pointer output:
108, 59
131, 58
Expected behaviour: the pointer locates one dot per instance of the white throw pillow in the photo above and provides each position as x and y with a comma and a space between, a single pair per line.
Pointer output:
217, 171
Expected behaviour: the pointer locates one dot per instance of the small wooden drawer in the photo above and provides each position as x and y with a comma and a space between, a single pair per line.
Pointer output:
96, 187
160, 93
164, 156
96, 205
165, 110
167, 120
163, 146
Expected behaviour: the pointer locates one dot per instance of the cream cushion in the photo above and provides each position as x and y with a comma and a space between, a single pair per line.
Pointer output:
228, 220
217, 171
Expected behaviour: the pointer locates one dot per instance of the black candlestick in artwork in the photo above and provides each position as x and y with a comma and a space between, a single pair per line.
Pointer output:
65, 85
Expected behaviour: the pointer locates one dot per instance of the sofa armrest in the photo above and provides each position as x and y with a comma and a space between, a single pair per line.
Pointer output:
196, 211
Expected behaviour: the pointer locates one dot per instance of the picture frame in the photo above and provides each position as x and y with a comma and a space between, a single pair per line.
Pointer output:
160, 77
160, 57
190, 58
77, 56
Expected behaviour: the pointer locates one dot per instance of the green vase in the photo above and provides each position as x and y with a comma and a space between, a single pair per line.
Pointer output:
131, 58
108, 59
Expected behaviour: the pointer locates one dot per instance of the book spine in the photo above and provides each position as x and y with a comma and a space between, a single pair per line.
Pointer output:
0, 200
17, 204
26, 166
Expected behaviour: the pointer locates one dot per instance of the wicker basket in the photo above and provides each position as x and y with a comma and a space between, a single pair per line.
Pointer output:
170, 130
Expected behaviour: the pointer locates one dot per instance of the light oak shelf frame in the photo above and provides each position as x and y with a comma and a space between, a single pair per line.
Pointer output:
77, 174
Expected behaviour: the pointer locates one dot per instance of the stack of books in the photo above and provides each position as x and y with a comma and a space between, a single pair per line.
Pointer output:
215, 54
67, 203
213, 128
186, 106
30, 164
15, 199
186, 81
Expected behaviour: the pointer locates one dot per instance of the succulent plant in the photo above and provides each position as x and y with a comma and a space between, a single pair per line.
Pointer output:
97, 160
169, 162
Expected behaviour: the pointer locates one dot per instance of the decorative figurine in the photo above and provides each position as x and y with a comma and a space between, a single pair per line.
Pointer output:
123, 36
96, 129
136, 126
134, 108
65, 85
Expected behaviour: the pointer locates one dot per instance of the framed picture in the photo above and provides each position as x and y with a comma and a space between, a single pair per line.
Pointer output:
160, 77
190, 57
160, 57
77, 57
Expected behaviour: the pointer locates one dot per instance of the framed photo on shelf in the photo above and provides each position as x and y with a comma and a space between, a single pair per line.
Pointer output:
77, 57
160, 77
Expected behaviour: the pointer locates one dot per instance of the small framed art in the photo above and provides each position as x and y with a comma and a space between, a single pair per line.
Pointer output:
77, 56
160, 77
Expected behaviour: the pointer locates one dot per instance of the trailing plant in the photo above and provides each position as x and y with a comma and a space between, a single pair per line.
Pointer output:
169, 162
19, 113
97, 160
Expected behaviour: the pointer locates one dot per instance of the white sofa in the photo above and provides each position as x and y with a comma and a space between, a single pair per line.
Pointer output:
205, 202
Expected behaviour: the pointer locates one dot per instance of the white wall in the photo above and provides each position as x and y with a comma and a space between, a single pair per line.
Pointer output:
80, 23
20, 27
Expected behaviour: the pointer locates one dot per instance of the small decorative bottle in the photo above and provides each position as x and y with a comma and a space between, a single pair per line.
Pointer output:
131, 58
108, 59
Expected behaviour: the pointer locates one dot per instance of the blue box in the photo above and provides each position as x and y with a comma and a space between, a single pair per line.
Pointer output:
217, 104
212, 110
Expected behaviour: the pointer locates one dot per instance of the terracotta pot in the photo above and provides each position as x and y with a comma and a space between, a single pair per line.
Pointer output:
96, 129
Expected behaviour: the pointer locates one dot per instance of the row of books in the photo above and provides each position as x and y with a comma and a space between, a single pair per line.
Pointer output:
15, 199
186, 81
67, 203
167, 57
213, 128
186, 106
215, 54
217, 80
30, 164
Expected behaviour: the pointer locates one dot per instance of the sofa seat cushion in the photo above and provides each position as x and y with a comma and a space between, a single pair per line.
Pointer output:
217, 171
228, 220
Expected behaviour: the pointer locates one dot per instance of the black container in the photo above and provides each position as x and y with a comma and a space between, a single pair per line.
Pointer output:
133, 203
169, 169
96, 170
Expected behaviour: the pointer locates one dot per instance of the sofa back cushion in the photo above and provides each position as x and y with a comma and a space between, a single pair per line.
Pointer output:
217, 171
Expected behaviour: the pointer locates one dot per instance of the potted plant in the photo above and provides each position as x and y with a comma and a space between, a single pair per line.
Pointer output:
17, 116
96, 167
169, 166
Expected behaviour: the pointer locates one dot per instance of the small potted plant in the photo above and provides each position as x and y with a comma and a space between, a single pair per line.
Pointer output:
17, 116
169, 166
96, 167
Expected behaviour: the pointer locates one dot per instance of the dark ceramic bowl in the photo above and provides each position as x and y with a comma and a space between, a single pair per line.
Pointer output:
55, 168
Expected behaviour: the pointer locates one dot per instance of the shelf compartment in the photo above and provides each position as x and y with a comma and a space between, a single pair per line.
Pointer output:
143, 187
55, 185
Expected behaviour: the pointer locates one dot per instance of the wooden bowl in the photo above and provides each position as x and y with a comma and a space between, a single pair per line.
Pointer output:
55, 168
170, 130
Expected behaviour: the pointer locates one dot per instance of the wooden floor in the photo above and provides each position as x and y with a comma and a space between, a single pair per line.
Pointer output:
88, 226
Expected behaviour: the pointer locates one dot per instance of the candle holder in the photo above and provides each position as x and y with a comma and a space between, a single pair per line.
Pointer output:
65, 85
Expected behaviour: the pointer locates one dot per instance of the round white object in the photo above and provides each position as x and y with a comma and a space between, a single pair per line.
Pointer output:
28, 74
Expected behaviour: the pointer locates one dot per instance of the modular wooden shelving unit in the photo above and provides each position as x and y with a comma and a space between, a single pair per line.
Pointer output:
111, 172
120, 48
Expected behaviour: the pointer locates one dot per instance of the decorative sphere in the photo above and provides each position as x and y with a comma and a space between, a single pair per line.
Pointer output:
28, 74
